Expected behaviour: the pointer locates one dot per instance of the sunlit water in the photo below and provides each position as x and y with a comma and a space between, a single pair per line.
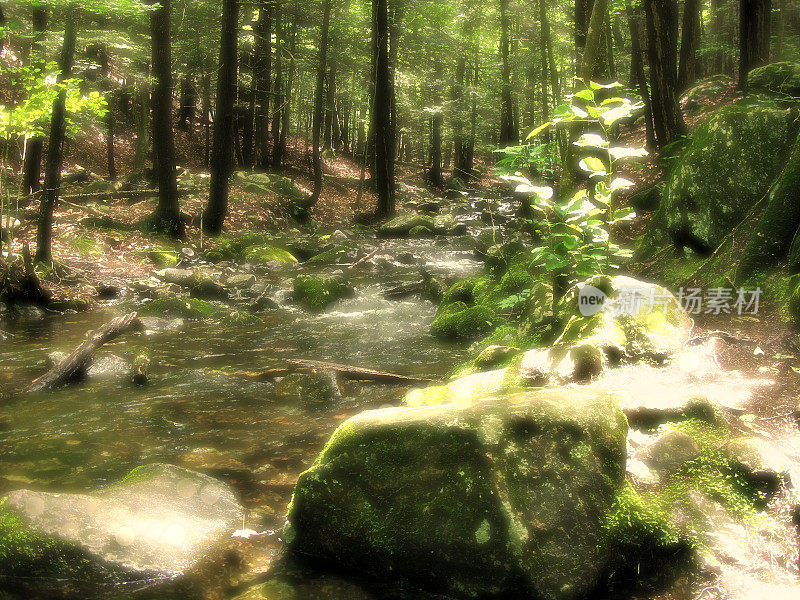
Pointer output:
92, 433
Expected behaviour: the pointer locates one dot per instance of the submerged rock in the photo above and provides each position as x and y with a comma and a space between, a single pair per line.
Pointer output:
152, 529
312, 390
502, 498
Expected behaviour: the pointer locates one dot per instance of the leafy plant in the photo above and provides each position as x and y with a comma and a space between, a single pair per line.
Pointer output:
577, 241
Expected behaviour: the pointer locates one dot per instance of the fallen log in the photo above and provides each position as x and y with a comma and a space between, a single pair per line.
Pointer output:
354, 373
77, 362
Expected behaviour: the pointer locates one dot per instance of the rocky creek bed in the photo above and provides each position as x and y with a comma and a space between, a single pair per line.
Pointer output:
644, 457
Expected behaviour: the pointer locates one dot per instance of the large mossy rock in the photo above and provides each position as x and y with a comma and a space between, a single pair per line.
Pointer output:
728, 165
316, 293
402, 225
150, 530
781, 78
501, 498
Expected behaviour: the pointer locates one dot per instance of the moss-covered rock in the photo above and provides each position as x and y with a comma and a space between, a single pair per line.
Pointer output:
191, 309
316, 293
501, 498
459, 321
727, 166
268, 254
462, 390
706, 92
401, 225
146, 532
781, 78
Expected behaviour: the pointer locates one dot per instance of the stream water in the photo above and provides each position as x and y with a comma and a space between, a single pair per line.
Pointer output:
198, 410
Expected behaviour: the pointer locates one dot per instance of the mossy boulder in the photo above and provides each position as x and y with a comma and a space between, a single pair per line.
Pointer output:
401, 225
463, 390
504, 498
706, 92
781, 78
262, 255
146, 532
459, 321
316, 293
726, 167
191, 309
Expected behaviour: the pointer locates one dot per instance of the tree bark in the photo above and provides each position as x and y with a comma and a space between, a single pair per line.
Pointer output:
662, 48
508, 130
262, 67
638, 79
167, 216
55, 152
754, 34
382, 112
690, 39
32, 171
278, 93
287, 104
319, 94
221, 157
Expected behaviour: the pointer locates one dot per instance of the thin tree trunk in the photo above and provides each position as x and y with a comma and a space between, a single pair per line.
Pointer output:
754, 30
330, 103
287, 104
382, 113
167, 216
544, 24
278, 91
262, 66
319, 93
105, 67
221, 158
508, 131
32, 171
206, 105
55, 152
690, 39
639, 81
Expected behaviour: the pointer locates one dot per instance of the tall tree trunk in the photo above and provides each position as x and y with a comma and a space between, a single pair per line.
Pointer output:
754, 26
457, 96
32, 170
55, 151
690, 39
287, 104
330, 103
205, 83
597, 69
638, 79
319, 93
662, 50
108, 84
434, 175
508, 130
262, 66
167, 216
142, 123
278, 91
544, 33
382, 112
221, 157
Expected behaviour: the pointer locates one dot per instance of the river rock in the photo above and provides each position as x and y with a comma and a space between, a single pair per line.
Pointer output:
500, 498
402, 225
316, 293
240, 281
762, 464
670, 451
149, 530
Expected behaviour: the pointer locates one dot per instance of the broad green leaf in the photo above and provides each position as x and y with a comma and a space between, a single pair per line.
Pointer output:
592, 140
621, 152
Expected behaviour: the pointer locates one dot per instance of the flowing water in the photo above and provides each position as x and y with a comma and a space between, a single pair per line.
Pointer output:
198, 409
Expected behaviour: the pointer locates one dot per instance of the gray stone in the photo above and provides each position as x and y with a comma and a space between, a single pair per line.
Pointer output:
149, 530
764, 465
312, 390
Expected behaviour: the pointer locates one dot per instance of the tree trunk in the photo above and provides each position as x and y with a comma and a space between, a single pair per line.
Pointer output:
638, 79
221, 157
205, 82
32, 171
690, 39
330, 104
597, 68
382, 112
754, 26
544, 33
105, 67
278, 91
319, 92
287, 104
167, 216
55, 152
262, 67
662, 48
508, 131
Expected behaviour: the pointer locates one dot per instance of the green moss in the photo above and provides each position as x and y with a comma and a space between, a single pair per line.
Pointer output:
268, 254
185, 308
459, 321
87, 246
162, 258
316, 293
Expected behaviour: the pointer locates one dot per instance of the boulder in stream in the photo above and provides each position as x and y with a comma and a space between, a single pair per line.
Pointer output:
500, 498
316, 293
151, 529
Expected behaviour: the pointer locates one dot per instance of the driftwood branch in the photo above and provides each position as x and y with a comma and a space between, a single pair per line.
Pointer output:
355, 373
75, 364
364, 259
